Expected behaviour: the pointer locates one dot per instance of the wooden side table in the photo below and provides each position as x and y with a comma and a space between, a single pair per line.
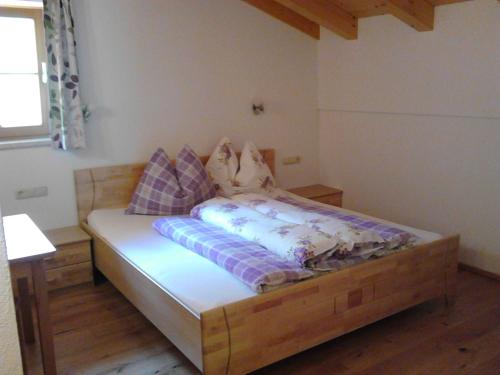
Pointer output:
320, 193
26, 244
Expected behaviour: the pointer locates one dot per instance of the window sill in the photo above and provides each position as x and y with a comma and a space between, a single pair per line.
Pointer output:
25, 143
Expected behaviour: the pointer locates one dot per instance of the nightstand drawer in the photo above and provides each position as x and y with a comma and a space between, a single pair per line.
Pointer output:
59, 277
69, 275
69, 254
320, 193
334, 200
70, 265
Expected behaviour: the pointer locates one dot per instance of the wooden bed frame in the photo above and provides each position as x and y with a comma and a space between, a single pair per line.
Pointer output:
246, 335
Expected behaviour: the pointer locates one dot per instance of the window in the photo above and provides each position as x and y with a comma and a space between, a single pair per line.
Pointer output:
23, 96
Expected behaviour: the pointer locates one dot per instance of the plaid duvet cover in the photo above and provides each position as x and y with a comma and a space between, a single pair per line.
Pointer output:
249, 262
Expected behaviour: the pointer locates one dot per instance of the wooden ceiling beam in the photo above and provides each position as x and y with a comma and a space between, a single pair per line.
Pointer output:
287, 15
419, 14
445, 2
326, 14
341, 16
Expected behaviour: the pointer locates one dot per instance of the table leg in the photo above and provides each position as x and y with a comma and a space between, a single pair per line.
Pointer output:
20, 334
24, 303
43, 314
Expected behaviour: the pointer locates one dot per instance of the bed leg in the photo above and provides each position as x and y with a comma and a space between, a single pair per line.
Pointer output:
451, 289
99, 277
451, 272
450, 298
216, 342
450, 286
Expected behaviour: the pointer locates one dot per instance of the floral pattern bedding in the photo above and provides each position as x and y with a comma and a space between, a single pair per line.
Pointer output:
222, 167
267, 243
353, 241
231, 176
290, 241
317, 237
393, 237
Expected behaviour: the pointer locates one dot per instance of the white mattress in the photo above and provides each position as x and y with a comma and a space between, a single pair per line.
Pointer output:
195, 281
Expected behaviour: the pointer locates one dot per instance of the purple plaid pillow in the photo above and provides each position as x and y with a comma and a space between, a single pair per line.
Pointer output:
158, 191
193, 178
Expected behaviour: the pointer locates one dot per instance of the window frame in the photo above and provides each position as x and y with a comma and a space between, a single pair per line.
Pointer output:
37, 131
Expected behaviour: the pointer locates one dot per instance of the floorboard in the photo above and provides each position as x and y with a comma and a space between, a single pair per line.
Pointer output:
97, 331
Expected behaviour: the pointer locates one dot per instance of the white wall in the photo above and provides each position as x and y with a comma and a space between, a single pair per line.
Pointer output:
10, 357
410, 123
165, 73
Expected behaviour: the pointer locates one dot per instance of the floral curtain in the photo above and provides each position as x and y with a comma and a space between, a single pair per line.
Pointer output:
66, 116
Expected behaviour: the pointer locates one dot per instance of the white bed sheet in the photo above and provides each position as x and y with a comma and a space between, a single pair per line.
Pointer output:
195, 281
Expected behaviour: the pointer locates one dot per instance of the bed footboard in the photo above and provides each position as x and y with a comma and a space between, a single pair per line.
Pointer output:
250, 334
170, 316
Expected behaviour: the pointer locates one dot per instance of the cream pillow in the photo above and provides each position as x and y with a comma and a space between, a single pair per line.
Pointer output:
222, 167
254, 174
250, 174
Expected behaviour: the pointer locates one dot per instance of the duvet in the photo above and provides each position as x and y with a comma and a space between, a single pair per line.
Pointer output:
268, 242
249, 262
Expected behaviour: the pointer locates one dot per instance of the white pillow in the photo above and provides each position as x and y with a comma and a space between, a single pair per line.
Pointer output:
222, 167
250, 174
254, 174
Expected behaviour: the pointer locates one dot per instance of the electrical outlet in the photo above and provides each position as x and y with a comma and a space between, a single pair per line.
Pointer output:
291, 160
35, 192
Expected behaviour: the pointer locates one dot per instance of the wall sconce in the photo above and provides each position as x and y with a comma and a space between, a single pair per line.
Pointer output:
258, 108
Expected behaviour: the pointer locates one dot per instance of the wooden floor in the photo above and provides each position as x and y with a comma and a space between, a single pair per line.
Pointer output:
98, 332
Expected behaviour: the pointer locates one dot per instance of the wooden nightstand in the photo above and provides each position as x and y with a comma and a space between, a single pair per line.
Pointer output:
320, 193
71, 264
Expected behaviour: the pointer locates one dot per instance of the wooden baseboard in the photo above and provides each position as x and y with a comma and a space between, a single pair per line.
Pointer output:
478, 271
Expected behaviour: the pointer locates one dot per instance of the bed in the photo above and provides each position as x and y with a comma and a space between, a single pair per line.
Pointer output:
222, 326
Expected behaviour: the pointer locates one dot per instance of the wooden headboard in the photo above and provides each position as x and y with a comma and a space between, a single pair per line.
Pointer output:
112, 187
